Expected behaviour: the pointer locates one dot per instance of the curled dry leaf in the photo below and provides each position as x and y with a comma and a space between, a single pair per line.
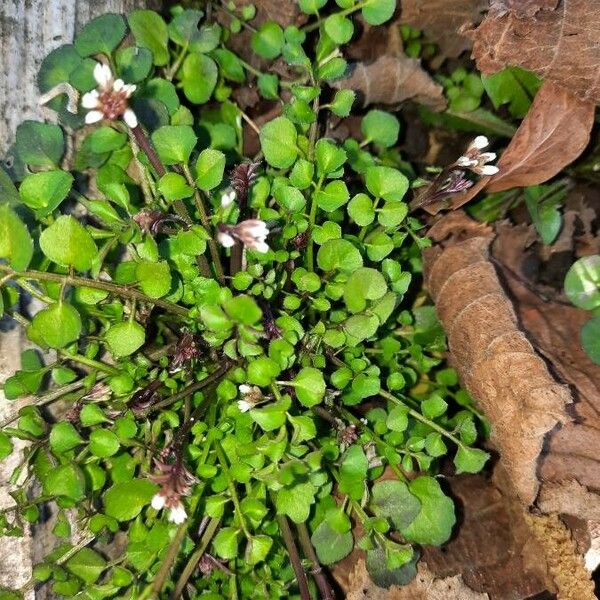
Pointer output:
553, 134
441, 21
391, 80
496, 361
558, 40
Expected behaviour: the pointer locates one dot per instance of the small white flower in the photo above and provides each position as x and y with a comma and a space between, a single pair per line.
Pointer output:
158, 501
110, 99
226, 240
244, 405
177, 514
227, 199
475, 160
244, 388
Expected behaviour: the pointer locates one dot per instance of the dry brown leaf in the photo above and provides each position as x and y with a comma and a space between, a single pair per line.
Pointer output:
441, 20
497, 363
424, 587
391, 80
493, 549
556, 40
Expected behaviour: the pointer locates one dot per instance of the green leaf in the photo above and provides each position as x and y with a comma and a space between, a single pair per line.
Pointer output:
360, 208
311, 7
342, 102
386, 183
542, 202
16, 244
230, 65
46, 190
364, 284
6, 446
513, 86
173, 186
243, 309
199, 74
329, 157
278, 142
295, 502
433, 525
268, 86
353, 472
361, 327
392, 500
106, 139
309, 386
23, 383
377, 12
470, 460
87, 565
66, 480
103, 443
339, 28
225, 543
174, 143
154, 278
590, 339
334, 195
257, 548
67, 243
391, 214
434, 406
339, 254
290, 198
268, 41
331, 546
134, 64
150, 31
124, 501
210, 168
125, 338
381, 128
262, 371
383, 576
270, 417
63, 437
91, 414
40, 144
57, 325
101, 35
8, 191
582, 282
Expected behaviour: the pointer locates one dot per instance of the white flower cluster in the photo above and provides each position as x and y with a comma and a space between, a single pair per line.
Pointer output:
475, 160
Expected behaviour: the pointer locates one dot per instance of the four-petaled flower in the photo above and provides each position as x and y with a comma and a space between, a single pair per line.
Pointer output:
228, 198
252, 233
177, 512
476, 160
251, 396
110, 100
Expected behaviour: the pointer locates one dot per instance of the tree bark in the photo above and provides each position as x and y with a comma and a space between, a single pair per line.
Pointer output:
29, 30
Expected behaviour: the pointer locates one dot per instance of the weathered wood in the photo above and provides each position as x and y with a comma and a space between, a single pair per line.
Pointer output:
29, 30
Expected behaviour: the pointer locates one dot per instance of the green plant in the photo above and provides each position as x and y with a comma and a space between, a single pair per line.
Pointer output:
237, 351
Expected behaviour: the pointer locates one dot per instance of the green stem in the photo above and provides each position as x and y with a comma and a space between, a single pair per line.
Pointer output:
192, 563
113, 288
419, 417
212, 245
342, 13
312, 218
90, 362
175, 67
231, 485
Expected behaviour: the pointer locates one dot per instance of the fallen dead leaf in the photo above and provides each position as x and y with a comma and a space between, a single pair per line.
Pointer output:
391, 80
441, 21
558, 40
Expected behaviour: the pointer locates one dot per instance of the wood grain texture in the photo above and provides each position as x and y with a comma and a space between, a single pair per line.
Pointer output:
29, 30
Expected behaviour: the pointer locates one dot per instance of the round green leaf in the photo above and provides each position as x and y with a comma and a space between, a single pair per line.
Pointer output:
66, 480
16, 244
339, 254
342, 102
124, 501
40, 144
334, 195
392, 500
46, 190
386, 183
101, 35
339, 28
174, 143
210, 168
226, 542
103, 443
68, 243
125, 338
199, 74
63, 437
380, 127
154, 278
87, 565
268, 41
331, 546
582, 283
309, 386
134, 63
364, 284
278, 142
590, 339
377, 12
173, 186
360, 208
150, 31
57, 325
470, 460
